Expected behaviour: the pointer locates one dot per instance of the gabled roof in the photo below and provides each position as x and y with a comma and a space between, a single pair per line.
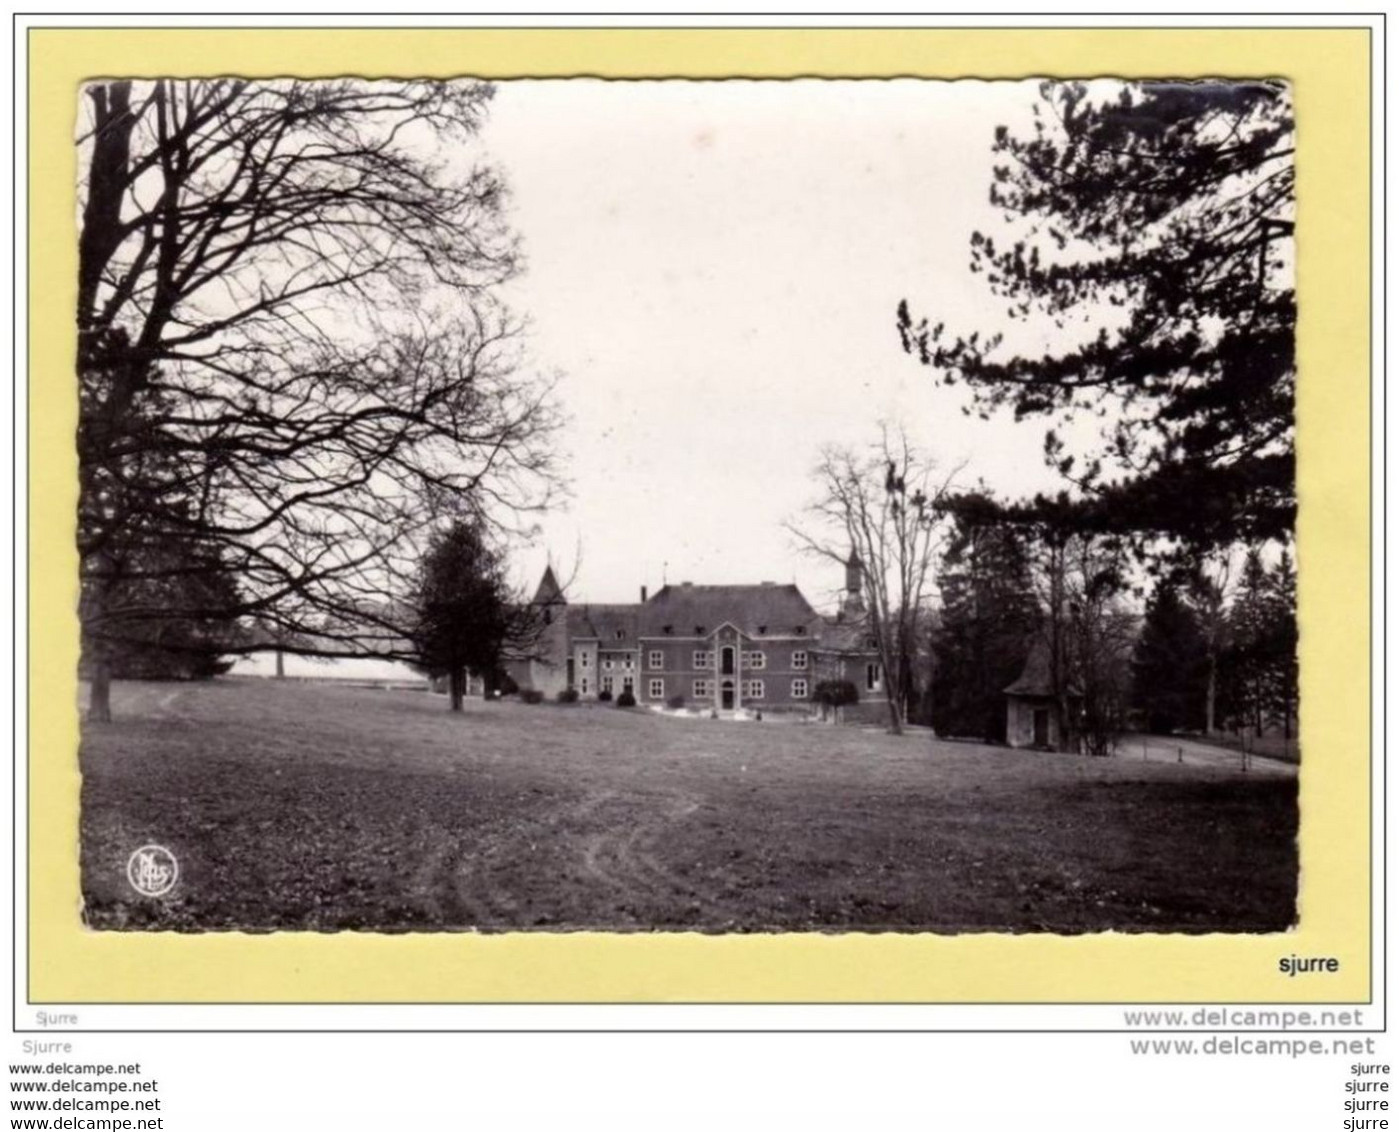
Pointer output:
604, 622
766, 609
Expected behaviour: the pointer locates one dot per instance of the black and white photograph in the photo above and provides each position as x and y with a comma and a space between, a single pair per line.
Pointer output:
736, 506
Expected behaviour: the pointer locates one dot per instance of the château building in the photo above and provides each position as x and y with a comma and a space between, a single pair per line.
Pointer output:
725, 647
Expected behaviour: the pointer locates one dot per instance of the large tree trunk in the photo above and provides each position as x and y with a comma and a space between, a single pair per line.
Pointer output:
99, 702
281, 667
108, 178
895, 725
892, 680
1210, 692
458, 688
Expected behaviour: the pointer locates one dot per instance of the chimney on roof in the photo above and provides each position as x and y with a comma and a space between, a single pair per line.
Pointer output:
643, 595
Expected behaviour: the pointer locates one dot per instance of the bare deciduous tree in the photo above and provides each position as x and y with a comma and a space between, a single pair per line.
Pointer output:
884, 503
289, 357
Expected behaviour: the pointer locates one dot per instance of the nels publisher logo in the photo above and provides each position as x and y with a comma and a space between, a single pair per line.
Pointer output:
152, 870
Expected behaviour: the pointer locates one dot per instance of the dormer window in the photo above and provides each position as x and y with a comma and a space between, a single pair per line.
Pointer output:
621, 634
762, 629
801, 630
668, 630
699, 630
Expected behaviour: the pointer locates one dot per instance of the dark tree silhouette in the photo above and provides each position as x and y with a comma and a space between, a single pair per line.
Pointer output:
464, 614
1170, 663
1261, 661
288, 354
1283, 642
1149, 236
989, 617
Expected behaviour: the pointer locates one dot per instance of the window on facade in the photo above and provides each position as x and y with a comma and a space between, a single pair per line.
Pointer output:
871, 677
657, 689
628, 683
753, 689
756, 659
607, 683
584, 659
607, 664
798, 689
629, 662
702, 659
702, 689
655, 659
799, 661
583, 687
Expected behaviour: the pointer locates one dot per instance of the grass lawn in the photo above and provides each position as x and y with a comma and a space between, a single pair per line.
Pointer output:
302, 806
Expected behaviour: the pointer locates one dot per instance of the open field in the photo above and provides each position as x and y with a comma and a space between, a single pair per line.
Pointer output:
300, 806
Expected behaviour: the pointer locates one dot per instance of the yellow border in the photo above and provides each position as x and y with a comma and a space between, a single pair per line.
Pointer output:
1331, 72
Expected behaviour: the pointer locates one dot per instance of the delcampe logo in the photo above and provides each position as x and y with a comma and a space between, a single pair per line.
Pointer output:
152, 870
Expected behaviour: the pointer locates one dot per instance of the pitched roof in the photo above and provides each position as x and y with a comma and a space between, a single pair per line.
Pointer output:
1037, 678
549, 591
605, 622
692, 610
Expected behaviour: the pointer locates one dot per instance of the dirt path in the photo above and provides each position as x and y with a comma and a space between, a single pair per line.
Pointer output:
608, 849
1182, 751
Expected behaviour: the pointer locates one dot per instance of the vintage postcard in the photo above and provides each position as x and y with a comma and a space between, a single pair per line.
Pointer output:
676, 518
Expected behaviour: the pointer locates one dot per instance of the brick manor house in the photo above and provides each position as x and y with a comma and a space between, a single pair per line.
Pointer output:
752, 647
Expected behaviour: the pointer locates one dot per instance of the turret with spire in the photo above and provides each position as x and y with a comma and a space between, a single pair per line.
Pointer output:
549, 591
853, 607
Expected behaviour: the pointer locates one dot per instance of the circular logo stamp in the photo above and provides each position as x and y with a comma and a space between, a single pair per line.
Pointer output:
152, 870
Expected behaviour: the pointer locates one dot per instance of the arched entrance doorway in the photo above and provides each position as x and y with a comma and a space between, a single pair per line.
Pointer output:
726, 695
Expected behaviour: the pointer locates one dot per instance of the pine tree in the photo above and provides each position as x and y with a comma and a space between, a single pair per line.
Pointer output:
1169, 664
464, 615
1249, 660
987, 623
1147, 234
1283, 642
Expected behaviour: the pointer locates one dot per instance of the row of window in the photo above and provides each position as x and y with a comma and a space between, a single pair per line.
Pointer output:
702, 689
699, 689
751, 689
701, 660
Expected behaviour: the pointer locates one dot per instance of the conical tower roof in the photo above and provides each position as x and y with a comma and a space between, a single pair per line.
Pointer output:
549, 591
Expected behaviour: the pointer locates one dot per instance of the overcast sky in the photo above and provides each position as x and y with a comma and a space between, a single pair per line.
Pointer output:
714, 269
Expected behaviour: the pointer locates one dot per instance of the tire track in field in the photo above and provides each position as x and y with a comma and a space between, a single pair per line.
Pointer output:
605, 851
477, 880
625, 859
